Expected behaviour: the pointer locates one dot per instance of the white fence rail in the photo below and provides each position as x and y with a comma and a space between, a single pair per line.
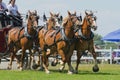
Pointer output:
110, 51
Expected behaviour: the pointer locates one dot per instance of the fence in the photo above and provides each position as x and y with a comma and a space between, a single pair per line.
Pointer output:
103, 51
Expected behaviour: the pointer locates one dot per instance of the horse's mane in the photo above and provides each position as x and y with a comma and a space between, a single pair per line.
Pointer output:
65, 21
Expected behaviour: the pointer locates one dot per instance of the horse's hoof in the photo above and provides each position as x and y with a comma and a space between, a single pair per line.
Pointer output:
60, 70
48, 72
28, 68
53, 63
20, 69
9, 68
95, 68
35, 66
41, 68
69, 72
76, 72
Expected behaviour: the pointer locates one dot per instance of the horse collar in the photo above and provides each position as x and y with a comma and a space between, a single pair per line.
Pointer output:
64, 37
84, 37
26, 33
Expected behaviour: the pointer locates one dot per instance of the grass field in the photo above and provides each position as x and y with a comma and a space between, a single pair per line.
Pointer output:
107, 72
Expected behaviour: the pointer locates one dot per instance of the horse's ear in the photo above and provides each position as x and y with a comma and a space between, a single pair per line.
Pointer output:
91, 12
69, 13
51, 14
61, 18
75, 13
35, 12
80, 17
64, 21
44, 17
27, 16
29, 12
86, 13
57, 14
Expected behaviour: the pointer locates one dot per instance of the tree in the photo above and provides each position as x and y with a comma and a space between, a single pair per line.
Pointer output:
98, 41
104, 44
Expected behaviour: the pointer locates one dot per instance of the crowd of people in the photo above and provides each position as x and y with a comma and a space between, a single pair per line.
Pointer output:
9, 14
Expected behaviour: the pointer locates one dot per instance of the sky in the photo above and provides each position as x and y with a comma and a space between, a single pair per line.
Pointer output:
107, 11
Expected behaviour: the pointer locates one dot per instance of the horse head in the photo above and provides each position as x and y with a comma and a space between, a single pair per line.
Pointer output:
57, 19
32, 19
91, 20
71, 20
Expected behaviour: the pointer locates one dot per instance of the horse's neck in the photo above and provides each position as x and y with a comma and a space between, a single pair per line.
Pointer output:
69, 32
49, 27
85, 28
29, 28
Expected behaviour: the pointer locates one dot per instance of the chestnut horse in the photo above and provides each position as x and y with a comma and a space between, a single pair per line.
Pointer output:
85, 39
53, 22
61, 41
22, 38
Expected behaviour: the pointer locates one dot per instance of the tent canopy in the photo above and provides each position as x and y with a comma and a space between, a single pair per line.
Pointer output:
112, 36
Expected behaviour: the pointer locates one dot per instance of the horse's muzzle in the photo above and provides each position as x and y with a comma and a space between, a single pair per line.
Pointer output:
95, 28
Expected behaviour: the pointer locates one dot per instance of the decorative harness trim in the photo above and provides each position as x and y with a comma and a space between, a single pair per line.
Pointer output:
26, 34
84, 37
63, 38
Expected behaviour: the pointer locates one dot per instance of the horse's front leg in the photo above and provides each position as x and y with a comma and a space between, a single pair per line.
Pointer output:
32, 60
37, 64
79, 55
95, 67
63, 61
22, 59
45, 61
11, 59
70, 70
68, 57
12, 55
18, 61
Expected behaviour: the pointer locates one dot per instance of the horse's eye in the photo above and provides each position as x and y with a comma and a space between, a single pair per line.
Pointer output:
52, 19
72, 18
88, 19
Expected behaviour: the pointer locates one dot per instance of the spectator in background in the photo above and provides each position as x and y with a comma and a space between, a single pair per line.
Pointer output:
14, 13
118, 53
12, 8
3, 7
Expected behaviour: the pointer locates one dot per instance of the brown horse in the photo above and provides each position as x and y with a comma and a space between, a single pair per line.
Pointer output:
51, 24
85, 38
22, 38
61, 41
54, 21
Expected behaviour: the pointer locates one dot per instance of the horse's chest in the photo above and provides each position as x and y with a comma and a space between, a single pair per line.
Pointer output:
85, 44
26, 41
50, 37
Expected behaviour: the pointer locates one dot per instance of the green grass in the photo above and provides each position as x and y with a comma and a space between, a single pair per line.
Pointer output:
107, 72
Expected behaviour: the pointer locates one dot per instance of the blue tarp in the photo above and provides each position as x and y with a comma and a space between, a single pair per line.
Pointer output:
112, 36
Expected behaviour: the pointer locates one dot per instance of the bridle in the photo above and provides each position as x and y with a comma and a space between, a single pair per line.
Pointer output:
91, 19
33, 18
91, 23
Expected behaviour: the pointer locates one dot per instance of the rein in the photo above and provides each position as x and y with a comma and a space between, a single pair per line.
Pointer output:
84, 37
63, 37
80, 34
